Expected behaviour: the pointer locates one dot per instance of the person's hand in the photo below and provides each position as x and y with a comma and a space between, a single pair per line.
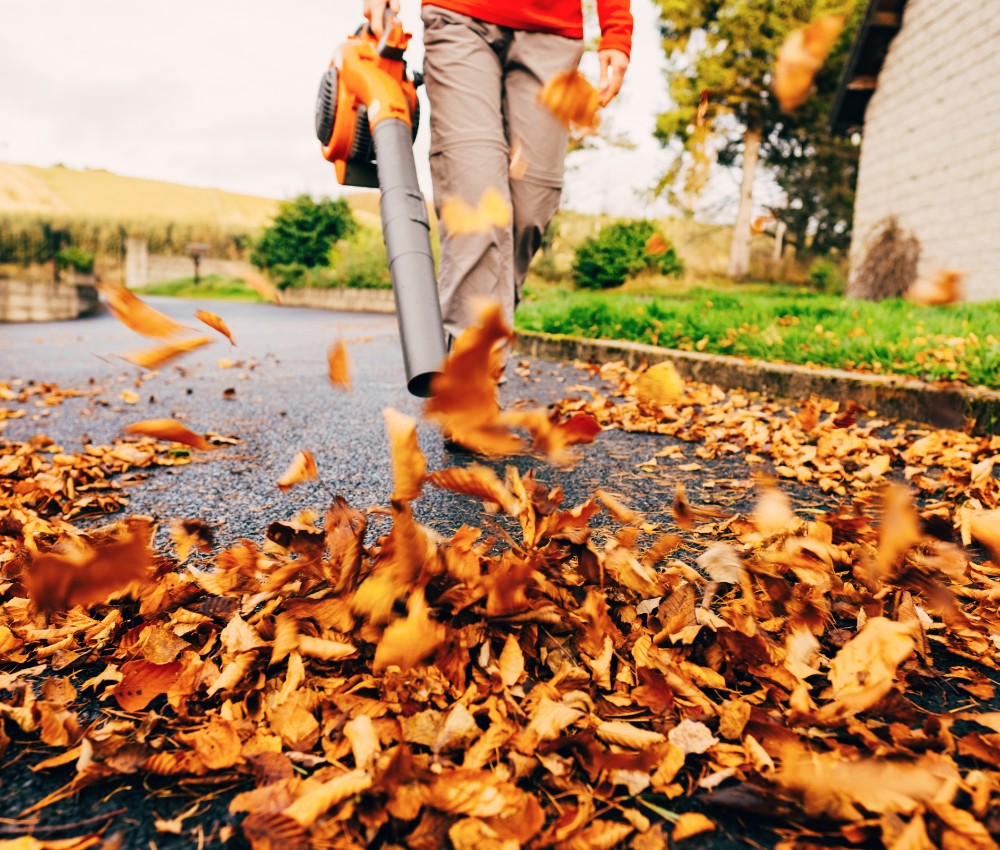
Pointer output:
614, 64
375, 13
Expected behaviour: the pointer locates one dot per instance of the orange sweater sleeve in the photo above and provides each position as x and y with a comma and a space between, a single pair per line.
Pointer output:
615, 17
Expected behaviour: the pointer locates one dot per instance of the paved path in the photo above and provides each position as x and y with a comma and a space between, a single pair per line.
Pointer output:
284, 403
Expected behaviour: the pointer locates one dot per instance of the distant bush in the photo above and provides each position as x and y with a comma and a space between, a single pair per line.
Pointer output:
890, 264
358, 262
77, 259
622, 250
302, 232
825, 277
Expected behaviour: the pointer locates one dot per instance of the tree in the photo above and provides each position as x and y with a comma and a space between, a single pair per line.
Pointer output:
722, 53
303, 232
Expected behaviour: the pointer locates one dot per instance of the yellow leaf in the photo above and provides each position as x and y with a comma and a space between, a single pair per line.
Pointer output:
154, 358
659, 385
409, 640
800, 58
216, 323
511, 662
339, 365
689, 824
460, 218
409, 466
572, 100
302, 468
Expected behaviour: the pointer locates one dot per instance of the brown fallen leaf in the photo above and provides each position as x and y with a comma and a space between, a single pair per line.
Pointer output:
572, 100
689, 824
154, 358
800, 58
409, 466
478, 481
136, 314
339, 365
169, 430
511, 662
460, 218
302, 468
57, 582
144, 681
216, 323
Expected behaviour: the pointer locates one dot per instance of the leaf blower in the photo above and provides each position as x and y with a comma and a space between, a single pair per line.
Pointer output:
366, 120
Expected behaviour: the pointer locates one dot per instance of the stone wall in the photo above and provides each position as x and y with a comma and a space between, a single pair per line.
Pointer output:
143, 269
45, 302
349, 300
930, 152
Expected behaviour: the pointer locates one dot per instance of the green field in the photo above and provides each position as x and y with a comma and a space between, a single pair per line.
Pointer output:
786, 324
209, 287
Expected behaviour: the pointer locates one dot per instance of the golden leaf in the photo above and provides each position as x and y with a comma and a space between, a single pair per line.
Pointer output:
572, 100
136, 314
985, 527
511, 662
216, 323
169, 430
409, 640
189, 534
318, 798
626, 735
240, 636
864, 670
218, 744
461, 219
800, 58
409, 466
339, 365
689, 824
154, 358
478, 481
302, 468
659, 385
617, 509
364, 740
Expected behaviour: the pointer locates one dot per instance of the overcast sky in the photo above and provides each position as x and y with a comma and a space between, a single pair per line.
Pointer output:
220, 93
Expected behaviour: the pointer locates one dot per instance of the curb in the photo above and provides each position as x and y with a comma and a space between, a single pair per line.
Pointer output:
942, 405
345, 300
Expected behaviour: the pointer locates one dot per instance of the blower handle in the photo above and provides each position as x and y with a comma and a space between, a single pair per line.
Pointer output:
383, 48
406, 229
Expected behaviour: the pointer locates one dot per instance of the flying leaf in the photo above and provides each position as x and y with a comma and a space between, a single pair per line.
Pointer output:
518, 163
659, 385
409, 640
136, 314
572, 100
339, 365
460, 218
864, 670
302, 468
216, 323
944, 286
409, 466
154, 358
57, 582
985, 527
478, 481
261, 285
169, 430
701, 115
800, 58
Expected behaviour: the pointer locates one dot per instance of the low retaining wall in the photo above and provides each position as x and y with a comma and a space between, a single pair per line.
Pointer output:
945, 406
45, 302
348, 300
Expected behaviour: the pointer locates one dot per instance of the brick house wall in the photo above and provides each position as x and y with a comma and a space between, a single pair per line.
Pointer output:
930, 152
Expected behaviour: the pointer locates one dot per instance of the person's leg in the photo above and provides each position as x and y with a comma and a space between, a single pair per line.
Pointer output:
469, 154
532, 60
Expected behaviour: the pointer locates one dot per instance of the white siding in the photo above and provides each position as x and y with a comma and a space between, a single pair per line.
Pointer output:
930, 152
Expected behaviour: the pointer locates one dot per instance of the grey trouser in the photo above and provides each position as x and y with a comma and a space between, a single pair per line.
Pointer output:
482, 81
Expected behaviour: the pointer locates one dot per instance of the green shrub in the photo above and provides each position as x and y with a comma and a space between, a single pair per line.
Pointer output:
825, 276
622, 250
302, 233
77, 259
360, 262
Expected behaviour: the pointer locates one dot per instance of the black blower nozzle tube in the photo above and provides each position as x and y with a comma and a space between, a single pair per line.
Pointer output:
408, 244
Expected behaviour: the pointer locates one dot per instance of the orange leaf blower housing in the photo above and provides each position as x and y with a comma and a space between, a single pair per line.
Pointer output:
366, 120
365, 84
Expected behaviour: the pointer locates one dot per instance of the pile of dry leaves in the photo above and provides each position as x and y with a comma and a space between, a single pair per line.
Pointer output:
567, 685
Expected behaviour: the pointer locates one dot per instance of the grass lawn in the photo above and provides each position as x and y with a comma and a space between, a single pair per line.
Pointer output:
784, 323
210, 286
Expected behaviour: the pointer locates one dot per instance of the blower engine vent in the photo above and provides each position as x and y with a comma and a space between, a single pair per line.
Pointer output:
326, 105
